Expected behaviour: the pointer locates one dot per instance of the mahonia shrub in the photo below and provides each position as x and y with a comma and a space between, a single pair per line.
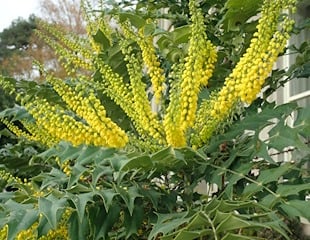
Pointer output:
80, 117
145, 116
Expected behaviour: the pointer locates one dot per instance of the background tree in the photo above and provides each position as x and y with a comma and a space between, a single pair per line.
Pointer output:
14, 43
67, 14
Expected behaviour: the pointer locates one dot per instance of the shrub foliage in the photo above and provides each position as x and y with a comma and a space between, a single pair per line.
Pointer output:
159, 134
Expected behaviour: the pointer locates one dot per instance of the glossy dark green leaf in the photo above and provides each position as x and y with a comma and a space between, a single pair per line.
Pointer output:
296, 208
238, 11
20, 217
133, 221
51, 208
80, 201
100, 38
134, 19
285, 190
107, 196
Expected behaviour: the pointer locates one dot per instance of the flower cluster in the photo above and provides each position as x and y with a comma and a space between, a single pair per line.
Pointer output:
152, 63
61, 126
198, 68
83, 119
9, 178
72, 53
90, 109
247, 78
174, 136
145, 120
17, 131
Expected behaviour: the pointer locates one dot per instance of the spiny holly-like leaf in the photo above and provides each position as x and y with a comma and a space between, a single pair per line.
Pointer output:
76, 172
132, 222
99, 172
166, 223
229, 221
262, 151
107, 196
54, 177
152, 195
302, 122
282, 136
80, 201
134, 19
52, 209
285, 190
251, 189
231, 236
67, 151
20, 217
16, 113
238, 12
100, 221
274, 173
76, 229
89, 154
101, 38
297, 208
253, 121
184, 234
142, 161
129, 196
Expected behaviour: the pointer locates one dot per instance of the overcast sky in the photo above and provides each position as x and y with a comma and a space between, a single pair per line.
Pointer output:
12, 9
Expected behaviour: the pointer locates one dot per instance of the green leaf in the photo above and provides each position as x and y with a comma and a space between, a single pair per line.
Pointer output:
142, 161
231, 236
133, 221
87, 154
76, 172
99, 172
52, 209
166, 223
76, 229
238, 12
101, 38
129, 196
273, 174
101, 221
135, 19
149, 29
107, 196
20, 217
67, 152
302, 123
151, 194
282, 136
188, 235
198, 221
285, 190
80, 201
262, 151
166, 158
297, 208
16, 113
229, 221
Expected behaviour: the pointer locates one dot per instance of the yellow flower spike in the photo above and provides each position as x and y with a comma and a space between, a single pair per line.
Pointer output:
59, 125
73, 52
248, 77
86, 108
145, 120
198, 68
16, 130
152, 63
